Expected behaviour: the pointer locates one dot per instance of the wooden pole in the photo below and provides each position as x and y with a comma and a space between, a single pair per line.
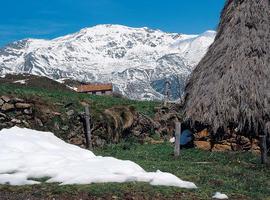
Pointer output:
263, 149
88, 128
177, 139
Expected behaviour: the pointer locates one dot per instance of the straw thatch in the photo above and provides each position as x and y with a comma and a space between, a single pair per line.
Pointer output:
230, 87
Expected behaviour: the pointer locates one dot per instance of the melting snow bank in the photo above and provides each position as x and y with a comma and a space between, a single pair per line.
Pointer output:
218, 195
26, 154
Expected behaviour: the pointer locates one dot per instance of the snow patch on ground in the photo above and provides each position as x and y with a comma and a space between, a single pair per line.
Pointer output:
219, 195
23, 82
26, 154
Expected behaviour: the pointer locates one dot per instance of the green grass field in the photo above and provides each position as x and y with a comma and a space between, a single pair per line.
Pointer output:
239, 175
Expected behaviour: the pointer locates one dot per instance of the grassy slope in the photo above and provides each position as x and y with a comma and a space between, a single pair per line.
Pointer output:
238, 175
98, 103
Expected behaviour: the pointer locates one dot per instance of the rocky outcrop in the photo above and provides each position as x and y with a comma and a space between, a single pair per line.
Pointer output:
112, 125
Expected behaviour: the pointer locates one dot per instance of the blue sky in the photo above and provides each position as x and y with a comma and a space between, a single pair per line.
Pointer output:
52, 18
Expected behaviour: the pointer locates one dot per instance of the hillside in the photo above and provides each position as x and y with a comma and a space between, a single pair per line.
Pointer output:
136, 60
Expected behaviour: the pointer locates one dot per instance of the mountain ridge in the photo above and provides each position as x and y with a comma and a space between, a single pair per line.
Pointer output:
133, 59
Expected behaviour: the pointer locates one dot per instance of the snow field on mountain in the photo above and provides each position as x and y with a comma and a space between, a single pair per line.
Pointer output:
130, 58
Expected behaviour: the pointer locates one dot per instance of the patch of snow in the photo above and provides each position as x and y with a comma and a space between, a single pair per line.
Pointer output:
172, 140
219, 195
72, 88
23, 82
26, 154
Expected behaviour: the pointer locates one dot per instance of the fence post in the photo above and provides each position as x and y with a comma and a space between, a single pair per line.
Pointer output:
177, 139
88, 128
263, 149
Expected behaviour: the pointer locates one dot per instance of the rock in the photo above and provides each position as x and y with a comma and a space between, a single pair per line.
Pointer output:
203, 135
3, 115
65, 128
136, 133
244, 140
7, 107
23, 105
16, 121
5, 98
28, 111
26, 124
1, 102
16, 100
204, 145
222, 147
56, 125
70, 113
71, 134
56, 113
6, 125
76, 141
99, 142
39, 122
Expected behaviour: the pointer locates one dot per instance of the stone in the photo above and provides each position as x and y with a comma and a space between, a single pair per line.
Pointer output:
28, 111
76, 141
56, 113
99, 142
3, 115
22, 105
26, 124
16, 121
65, 128
72, 134
17, 100
136, 133
244, 140
203, 145
202, 135
5, 98
222, 147
56, 126
1, 102
70, 113
7, 107
39, 122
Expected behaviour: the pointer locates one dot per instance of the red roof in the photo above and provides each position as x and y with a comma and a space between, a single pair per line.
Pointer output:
95, 87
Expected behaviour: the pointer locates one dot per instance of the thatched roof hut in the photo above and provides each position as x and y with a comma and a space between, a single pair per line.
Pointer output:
231, 85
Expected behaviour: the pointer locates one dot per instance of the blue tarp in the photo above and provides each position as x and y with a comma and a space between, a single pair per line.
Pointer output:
186, 137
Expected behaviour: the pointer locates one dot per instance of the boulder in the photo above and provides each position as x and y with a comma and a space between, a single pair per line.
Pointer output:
1, 102
16, 121
70, 113
203, 135
222, 147
7, 107
5, 98
204, 145
28, 111
26, 124
16, 100
3, 115
23, 105
39, 122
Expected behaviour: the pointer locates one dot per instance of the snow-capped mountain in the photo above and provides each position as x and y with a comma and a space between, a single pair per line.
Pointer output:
136, 60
